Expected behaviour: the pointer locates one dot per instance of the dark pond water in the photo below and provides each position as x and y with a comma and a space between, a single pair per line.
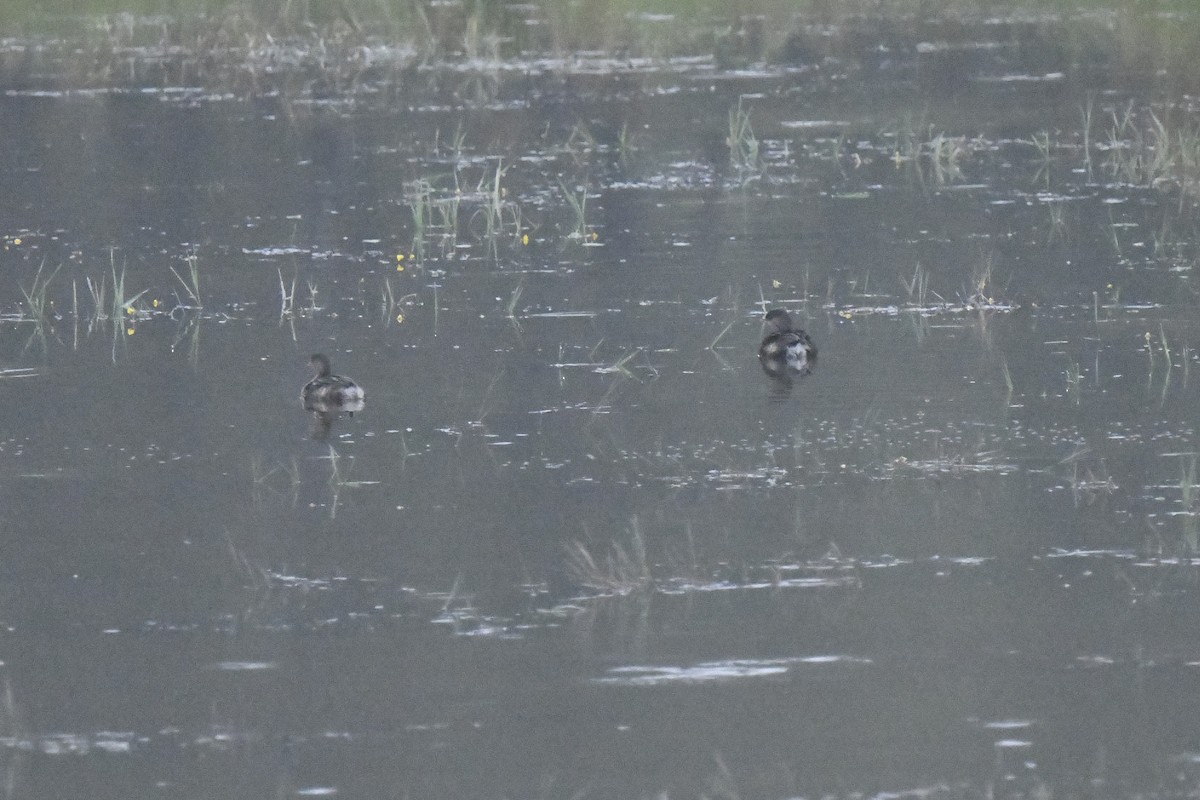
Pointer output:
577, 543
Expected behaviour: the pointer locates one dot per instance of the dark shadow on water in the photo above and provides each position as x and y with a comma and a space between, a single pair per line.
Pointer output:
325, 414
783, 378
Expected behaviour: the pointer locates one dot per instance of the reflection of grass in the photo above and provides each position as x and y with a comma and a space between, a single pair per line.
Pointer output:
1042, 143
625, 146
620, 366
713, 344
510, 308
35, 295
1074, 379
339, 478
1188, 501
263, 478
192, 284
254, 574
99, 293
917, 288
1058, 222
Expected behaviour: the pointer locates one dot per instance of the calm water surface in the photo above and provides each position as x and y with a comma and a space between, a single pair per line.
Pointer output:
578, 544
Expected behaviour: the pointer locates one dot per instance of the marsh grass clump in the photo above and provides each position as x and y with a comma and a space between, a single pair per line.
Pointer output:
417, 195
906, 140
742, 143
287, 296
499, 213
979, 289
623, 570
122, 304
945, 154
1150, 151
437, 202
578, 204
917, 289
928, 154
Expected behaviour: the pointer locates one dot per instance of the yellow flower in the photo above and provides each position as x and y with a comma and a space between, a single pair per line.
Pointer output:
525, 238
17, 240
776, 284
129, 310
155, 303
400, 317
400, 256
129, 331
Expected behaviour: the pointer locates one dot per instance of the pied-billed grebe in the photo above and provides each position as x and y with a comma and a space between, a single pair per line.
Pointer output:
329, 391
785, 347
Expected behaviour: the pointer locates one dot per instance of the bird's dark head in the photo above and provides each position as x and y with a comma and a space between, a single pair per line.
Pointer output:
778, 321
320, 364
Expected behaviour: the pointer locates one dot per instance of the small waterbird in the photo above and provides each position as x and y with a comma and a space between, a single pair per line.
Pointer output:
785, 347
326, 391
